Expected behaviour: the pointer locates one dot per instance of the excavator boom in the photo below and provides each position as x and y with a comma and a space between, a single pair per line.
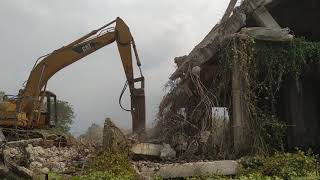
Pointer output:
30, 98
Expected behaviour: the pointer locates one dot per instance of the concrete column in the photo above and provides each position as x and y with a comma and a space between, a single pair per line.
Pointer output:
264, 18
262, 15
239, 112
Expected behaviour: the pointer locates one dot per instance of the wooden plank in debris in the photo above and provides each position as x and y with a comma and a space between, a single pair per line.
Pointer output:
180, 170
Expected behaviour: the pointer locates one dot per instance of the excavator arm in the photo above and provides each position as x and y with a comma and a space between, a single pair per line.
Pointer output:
30, 98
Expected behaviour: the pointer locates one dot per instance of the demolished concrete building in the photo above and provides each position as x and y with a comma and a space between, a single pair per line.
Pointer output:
261, 62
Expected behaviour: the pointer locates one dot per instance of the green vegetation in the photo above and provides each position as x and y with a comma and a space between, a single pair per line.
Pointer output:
106, 166
265, 67
109, 166
280, 165
65, 115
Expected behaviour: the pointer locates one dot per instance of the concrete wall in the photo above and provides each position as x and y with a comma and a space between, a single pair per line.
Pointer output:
300, 107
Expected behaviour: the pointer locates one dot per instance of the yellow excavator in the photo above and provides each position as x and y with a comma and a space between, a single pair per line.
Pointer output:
26, 111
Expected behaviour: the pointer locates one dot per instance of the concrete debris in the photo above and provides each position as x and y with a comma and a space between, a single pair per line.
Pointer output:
147, 149
11, 164
12, 152
163, 151
35, 165
113, 138
43, 160
167, 153
55, 159
268, 34
176, 170
45, 170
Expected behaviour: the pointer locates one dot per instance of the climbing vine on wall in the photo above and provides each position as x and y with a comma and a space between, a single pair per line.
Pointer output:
264, 67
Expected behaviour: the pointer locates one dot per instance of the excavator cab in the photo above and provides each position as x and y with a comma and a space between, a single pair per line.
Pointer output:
48, 112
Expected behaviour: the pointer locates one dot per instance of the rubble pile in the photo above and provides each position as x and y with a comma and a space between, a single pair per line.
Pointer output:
52, 159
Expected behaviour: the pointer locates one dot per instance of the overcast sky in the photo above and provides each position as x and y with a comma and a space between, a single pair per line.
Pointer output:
163, 29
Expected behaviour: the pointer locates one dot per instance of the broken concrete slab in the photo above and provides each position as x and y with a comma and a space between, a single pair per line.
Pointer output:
176, 170
163, 151
147, 149
268, 34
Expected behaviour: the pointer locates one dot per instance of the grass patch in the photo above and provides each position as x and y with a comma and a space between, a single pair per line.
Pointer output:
281, 165
109, 166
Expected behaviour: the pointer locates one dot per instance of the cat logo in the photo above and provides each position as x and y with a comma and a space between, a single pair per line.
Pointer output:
84, 48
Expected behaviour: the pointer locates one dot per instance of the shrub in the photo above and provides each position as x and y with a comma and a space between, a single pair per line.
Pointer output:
282, 165
109, 166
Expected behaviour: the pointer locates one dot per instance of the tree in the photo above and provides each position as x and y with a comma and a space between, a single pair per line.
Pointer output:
65, 116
